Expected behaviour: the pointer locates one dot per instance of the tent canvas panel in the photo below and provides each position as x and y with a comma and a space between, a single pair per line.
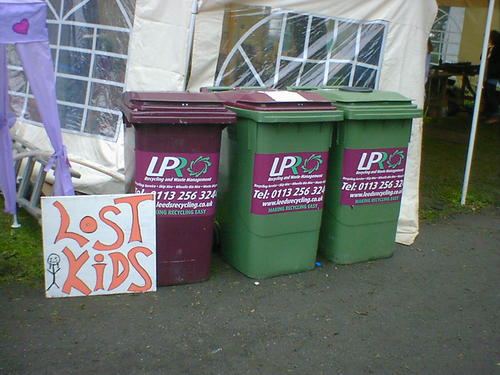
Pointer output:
403, 66
157, 61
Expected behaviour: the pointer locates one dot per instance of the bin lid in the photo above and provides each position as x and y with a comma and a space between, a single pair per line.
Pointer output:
280, 105
364, 104
175, 108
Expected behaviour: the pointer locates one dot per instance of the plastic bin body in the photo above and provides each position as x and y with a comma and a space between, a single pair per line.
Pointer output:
263, 241
365, 175
180, 130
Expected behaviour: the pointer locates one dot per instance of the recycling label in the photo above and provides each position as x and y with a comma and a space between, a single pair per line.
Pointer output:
373, 176
288, 182
185, 184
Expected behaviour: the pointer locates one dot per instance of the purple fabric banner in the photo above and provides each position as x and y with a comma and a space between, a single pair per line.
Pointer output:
37, 64
23, 23
7, 175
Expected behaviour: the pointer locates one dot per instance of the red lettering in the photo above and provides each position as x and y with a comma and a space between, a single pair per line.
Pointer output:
99, 276
134, 201
75, 264
119, 233
118, 278
132, 257
63, 228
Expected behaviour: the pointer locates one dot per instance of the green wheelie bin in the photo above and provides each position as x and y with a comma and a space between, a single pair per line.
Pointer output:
365, 174
271, 200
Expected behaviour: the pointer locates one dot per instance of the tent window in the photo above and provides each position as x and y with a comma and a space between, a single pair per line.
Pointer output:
275, 48
89, 45
446, 34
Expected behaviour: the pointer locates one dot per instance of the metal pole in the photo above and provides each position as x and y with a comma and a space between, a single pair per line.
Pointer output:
15, 222
477, 103
194, 12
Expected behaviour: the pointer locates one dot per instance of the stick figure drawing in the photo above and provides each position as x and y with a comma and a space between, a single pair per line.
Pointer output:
53, 261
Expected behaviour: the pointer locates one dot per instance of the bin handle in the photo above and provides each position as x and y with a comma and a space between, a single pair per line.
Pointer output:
355, 89
337, 136
331, 135
252, 129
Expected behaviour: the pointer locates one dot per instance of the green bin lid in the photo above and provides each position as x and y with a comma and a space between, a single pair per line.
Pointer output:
273, 106
365, 104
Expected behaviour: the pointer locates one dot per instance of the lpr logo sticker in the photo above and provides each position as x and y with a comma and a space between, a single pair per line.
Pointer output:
288, 182
185, 184
177, 164
372, 176
381, 159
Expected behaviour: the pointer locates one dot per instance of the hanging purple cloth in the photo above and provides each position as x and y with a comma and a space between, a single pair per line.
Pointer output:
7, 175
23, 23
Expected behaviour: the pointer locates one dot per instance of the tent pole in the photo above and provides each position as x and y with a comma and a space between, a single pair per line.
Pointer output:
194, 12
477, 102
15, 222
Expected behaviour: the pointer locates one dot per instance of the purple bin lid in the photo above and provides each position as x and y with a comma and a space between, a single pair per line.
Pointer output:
275, 100
174, 108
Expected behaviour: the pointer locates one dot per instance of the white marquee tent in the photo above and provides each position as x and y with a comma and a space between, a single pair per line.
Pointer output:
402, 68
186, 44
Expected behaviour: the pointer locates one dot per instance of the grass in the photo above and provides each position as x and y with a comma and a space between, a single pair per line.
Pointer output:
444, 153
20, 249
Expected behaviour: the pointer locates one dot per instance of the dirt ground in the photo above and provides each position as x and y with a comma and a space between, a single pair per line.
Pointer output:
433, 308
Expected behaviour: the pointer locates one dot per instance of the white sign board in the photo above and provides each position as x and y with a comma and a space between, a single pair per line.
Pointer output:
99, 244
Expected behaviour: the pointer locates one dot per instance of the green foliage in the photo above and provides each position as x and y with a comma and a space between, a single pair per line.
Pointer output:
444, 152
21, 249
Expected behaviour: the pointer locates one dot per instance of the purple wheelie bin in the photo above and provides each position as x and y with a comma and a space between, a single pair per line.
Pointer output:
177, 145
